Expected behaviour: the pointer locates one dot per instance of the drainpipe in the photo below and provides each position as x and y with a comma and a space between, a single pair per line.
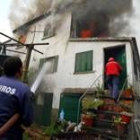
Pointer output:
27, 61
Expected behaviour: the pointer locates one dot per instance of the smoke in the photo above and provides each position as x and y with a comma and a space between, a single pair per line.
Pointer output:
16, 11
44, 70
22, 11
41, 6
108, 16
60, 6
134, 20
117, 17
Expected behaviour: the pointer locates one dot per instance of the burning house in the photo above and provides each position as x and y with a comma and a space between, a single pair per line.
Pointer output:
82, 35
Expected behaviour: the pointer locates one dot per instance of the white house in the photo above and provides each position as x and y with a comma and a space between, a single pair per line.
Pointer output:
75, 56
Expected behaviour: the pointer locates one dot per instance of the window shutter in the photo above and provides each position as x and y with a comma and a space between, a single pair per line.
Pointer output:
84, 61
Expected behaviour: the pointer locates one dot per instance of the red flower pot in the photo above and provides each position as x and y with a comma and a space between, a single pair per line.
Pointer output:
88, 120
125, 118
120, 127
101, 116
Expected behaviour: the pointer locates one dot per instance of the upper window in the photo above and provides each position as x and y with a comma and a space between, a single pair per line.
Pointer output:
48, 31
83, 28
100, 18
83, 61
52, 63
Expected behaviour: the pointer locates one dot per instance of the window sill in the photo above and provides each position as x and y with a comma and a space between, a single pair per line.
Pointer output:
86, 72
99, 39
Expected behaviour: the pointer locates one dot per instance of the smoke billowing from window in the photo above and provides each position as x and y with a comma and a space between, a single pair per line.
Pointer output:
22, 11
114, 17
101, 18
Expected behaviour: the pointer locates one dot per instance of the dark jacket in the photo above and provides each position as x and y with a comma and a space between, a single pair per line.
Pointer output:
15, 97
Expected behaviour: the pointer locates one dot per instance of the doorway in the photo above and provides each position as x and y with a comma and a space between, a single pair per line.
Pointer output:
119, 53
43, 110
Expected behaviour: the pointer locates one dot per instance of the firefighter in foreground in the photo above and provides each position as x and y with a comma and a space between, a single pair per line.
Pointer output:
16, 106
113, 70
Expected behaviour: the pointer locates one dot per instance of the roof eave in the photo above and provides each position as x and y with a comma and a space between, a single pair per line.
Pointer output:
27, 24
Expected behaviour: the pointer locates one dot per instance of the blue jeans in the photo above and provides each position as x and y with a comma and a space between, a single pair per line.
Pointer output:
113, 85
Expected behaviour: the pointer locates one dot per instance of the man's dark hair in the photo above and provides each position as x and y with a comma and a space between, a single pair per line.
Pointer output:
12, 65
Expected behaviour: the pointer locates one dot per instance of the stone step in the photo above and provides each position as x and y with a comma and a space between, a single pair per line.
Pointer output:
107, 123
121, 98
95, 111
106, 132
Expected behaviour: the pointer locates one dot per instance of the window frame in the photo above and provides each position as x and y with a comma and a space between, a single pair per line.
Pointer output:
79, 56
49, 29
55, 64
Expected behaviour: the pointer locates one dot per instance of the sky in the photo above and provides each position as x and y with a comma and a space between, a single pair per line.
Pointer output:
4, 22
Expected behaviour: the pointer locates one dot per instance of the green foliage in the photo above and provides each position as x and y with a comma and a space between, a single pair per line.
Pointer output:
126, 107
89, 115
90, 103
55, 128
117, 119
100, 90
25, 136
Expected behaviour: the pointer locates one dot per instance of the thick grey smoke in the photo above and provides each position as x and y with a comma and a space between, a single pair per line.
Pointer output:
25, 10
108, 14
121, 17
134, 21
17, 12
60, 6
22, 11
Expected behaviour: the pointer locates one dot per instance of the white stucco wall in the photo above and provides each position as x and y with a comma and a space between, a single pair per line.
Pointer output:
66, 49
65, 77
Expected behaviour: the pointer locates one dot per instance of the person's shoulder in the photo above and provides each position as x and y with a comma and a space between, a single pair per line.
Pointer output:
108, 63
22, 86
1, 77
117, 62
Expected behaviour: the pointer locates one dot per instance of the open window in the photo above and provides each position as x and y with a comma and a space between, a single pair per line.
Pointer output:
88, 28
97, 18
48, 31
52, 64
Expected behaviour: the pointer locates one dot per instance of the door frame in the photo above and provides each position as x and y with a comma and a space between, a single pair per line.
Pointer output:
111, 48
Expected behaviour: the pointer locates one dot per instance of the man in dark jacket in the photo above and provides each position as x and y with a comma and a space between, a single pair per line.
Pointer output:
15, 98
113, 70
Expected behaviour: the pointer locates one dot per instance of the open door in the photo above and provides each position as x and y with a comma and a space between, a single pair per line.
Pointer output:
119, 53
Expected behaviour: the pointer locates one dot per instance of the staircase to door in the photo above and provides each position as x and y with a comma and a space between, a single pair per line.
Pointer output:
103, 118
108, 121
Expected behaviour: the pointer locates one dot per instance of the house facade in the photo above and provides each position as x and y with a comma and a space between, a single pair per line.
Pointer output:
74, 58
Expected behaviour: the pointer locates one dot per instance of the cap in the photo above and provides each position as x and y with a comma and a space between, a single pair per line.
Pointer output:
111, 59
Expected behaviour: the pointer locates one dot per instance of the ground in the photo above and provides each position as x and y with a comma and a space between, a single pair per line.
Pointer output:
35, 133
